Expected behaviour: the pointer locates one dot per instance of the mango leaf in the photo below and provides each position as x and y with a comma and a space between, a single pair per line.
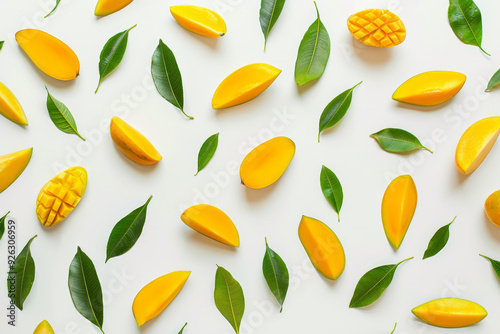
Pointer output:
229, 298
23, 271
494, 264
438, 240
207, 151
466, 22
182, 329
270, 10
2, 225
494, 81
61, 116
332, 189
1, 44
276, 274
397, 140
53, 10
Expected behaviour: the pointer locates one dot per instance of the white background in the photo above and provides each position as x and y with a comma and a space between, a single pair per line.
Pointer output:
117, 186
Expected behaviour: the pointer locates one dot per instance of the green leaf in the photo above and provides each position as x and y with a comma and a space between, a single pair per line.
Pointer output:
2, 225
371, 286
332, 189
182, 329
438, 241
314, 51
24, 273
394, 329
112, 54
167, 76
1, 44
61, 116
276, 275
229, 298
494, 81
126, 232
85, 289
335, 110
53, 10
495, 264
207, 151
465, 20
270, 10
397, 140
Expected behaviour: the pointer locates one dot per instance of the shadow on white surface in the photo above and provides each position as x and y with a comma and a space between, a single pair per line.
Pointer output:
257, 195
371, 55
202, 241
414, 107
493, 230
144, 169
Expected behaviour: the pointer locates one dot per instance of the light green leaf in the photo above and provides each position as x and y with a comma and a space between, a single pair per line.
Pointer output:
61, 116
229, 298
2, 225
397, 140
466, 22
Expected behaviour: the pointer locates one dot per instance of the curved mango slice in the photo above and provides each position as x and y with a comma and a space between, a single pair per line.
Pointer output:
213, 223
12, 165
265, 164
49, 54
323, 247
244, 84
132, 143
377, 27
157, 295
398, 206
60, 195
106, 7
430, 88
476, 143
199, 20
492, 207
44, 328
450, 312
10, 106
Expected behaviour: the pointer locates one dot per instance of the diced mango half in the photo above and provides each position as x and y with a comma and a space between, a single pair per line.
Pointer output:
492, 208
10, 106
12, 165
450, 312
44, 328
377, 27
199, 20
107, 7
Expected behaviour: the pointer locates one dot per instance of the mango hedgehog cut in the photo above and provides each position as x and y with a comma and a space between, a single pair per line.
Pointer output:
377, 27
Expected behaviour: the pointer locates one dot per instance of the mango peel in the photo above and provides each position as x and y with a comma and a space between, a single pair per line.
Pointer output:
44, 328
450, 312
12, 165
492, 208
199, 20
107, 7
10, 106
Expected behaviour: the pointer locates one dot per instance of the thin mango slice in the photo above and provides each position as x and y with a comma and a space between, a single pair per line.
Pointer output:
323, 247
44, 328
450, 312
398, 206
377, 27
430, 88
244, 84
10, 106
107, 7
265, 164
12, 165
199, 20
492, 208
60, 195
157, 295
213, 223
49, 54
476, 143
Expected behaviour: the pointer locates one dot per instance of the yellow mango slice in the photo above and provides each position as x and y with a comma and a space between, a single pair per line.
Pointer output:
476, 143
10, 106
265, 164
244, 84
492, 208
132, 143
60, 195
200, 20
12, 165
398, 206
450, 312
377, 27
323, 247
106, 7
44, 328
213, 223
157, 295
49, 54
430, 88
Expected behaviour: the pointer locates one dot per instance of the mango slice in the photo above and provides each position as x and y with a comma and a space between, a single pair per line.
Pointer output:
398, 206
323, 247
44, 328
213, 223
49, 54
492, 208
107, 7
450, 312
10, 106
244, 84
265, 164
132, 143
60, 195
430, 88
377, 27
476, 143
199, 20
12, 165
157, 295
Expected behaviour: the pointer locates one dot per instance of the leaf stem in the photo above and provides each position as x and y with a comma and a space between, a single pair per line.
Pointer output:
98, 85
484, 256
190, 117
404, 261
394, 328
484, 51
132, 27
427, 149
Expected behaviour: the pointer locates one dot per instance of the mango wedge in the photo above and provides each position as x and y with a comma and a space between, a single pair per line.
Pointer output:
476, 143
157, 295
492, 208
132, 143
244, 84
212, 222
199, 20
10, 106
49, 54
450, 312
377, 27
265, 164
430, 88
44, 328
398, 206
12, 165
323, 247
107, 7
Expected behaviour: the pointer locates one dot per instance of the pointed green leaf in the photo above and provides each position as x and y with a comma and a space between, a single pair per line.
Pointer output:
438, 240
2, 225
53, 10
494, 81
276, 275
495, 264
61, 116
397, 140
394, 329
465, 20
23, 270
1, 44
182, 329
332, 189
207, 151
229, 298
270, 10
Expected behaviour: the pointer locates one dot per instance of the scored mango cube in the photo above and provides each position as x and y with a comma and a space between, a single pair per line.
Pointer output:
377, 27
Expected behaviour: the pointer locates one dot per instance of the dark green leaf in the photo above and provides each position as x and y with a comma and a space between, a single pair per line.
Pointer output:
1, 44
112, 54
494, 81
495, 264
85, 289
229, 298
335, 110
2, 225
61, 116
23, 270
276, 275
314, 51
465, 20
371, 286
207, 151
397, 140
438, 240
270, 10
332, 189
53, 10
182, 329
394, 329
126, 232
